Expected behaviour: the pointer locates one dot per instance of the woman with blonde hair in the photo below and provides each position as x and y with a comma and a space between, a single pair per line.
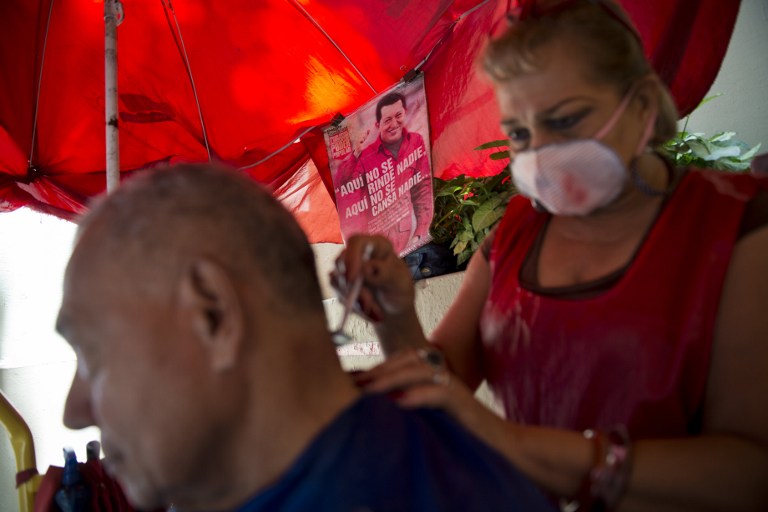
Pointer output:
617, 311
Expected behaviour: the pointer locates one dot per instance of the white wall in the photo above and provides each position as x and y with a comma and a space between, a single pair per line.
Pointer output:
743, 81
36, 365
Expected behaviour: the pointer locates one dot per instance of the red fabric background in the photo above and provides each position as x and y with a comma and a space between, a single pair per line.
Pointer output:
267, 73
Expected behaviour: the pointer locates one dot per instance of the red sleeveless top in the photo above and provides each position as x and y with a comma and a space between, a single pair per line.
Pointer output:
635, 354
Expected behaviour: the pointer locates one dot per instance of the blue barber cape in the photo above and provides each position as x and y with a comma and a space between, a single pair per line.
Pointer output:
378, 457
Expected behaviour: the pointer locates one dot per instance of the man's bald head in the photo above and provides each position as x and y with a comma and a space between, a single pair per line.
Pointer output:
192, 303
161, 219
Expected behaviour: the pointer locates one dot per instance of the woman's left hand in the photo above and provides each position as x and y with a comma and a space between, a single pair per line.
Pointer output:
419, 378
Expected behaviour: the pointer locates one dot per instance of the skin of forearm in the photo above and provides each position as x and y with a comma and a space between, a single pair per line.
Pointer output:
400, 331
706, 473
462, 360
555, 459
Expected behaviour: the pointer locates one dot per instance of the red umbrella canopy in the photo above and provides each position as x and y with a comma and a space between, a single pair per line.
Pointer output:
242, 81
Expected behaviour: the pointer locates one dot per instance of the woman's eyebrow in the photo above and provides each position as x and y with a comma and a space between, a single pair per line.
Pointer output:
548, 111
561, 104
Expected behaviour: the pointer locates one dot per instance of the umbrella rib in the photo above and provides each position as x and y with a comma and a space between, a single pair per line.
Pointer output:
277, 151
314, 22
39, 85
442, 39
282, 148
185, 57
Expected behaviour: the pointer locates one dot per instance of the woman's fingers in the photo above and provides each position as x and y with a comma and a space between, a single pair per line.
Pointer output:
406, 369
352, 260
435, 396
393, 363
338, 282
368, 307
417, 378
387, 286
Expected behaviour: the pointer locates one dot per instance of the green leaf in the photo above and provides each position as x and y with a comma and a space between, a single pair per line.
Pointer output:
728, 164
447, 191
500, 155
750, 153
699, 148
726, 152
503, 143
486, 215
464, 256
465, 236
708, 99
722, 136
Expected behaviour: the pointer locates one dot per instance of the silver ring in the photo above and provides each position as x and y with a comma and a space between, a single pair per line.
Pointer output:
441, 378
432, 357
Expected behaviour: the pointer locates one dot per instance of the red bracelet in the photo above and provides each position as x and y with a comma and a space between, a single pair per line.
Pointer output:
607, 479
584, 499
610, 478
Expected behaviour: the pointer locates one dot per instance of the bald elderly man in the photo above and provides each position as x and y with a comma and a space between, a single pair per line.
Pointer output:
203, 355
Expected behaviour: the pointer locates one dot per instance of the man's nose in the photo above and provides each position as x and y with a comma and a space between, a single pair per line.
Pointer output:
77, 409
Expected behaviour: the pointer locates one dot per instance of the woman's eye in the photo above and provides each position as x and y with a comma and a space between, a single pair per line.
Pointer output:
565, 122
519, 135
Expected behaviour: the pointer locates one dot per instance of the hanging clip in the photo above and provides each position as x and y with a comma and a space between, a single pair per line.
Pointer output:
114, 9
337, 119
411, 76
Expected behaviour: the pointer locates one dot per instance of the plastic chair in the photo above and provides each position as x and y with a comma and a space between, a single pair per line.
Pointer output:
24, 450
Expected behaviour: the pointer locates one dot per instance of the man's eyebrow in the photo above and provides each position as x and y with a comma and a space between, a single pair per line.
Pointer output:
548, 111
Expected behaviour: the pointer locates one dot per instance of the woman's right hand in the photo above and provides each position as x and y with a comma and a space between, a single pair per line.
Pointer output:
387, 291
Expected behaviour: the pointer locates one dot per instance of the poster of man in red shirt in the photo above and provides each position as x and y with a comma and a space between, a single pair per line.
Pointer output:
381, 168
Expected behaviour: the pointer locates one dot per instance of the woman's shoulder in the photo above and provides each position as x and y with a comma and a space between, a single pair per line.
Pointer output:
725, 182
519, 218
520, 212
718, 188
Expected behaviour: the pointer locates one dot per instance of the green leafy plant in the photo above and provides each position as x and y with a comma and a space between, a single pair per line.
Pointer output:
467, 208
720, 151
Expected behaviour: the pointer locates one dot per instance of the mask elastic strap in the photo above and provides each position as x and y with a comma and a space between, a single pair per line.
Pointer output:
647, 132
616, 113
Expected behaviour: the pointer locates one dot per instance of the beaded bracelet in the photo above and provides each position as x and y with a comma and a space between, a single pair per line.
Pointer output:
610, 478
607, 479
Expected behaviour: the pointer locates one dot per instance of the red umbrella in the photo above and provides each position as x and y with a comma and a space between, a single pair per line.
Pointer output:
242, 81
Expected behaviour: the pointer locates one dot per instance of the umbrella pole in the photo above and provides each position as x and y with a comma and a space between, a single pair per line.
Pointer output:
113, 16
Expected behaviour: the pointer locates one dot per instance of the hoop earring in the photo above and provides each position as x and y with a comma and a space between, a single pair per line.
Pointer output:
645, 187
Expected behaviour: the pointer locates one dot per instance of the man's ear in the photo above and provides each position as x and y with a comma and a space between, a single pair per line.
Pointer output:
211, 303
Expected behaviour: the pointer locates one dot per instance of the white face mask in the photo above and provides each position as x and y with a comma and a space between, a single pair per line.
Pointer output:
576, 177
